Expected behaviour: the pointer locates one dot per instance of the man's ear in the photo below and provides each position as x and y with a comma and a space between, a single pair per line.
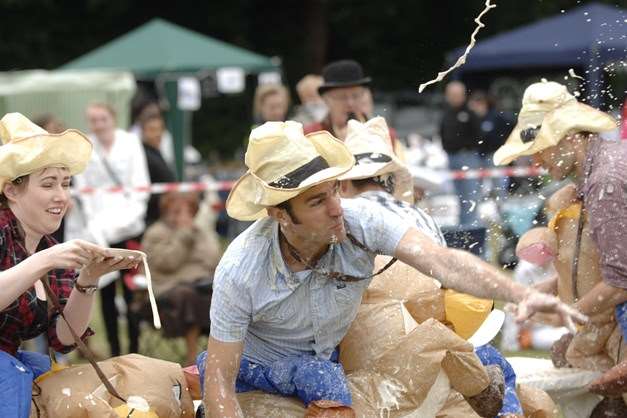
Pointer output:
279, 215
345, 188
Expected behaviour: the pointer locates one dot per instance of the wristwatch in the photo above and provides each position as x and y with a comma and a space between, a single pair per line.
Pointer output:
88, 290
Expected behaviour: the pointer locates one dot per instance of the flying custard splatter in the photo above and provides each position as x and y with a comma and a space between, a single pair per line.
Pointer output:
462, 60
571, 73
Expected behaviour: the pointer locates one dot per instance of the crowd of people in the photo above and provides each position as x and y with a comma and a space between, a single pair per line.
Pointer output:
326, 190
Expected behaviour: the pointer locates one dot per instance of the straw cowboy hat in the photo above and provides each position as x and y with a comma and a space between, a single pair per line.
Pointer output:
282, 163
548, 114
27, 148
371, 145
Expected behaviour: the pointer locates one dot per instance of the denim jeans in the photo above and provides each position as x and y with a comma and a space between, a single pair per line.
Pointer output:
491, 356
306, 377
16, 381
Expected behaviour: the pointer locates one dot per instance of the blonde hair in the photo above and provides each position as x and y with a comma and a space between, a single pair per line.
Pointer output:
105, 106
265, 90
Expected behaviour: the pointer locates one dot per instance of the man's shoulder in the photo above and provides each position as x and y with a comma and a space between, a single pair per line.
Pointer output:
248, 253
365, 212
609, 162
357, 206
611, 151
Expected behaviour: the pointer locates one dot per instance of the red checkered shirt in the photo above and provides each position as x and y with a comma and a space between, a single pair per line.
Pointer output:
27, 317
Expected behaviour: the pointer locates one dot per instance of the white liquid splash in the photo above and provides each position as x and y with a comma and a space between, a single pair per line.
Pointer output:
572, 74
462, 60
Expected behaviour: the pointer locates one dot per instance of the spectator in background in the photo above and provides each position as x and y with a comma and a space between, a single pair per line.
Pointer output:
182, 260
347, 95
271, 103
460, 133
343, 92
492, 125
312, 108
166, 147
111, 219
494, 128
152, 129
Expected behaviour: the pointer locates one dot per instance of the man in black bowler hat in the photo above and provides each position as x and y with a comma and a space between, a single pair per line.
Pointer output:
345, 91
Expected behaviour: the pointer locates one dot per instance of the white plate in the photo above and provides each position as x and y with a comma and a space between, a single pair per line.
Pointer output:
488, 329
120, 252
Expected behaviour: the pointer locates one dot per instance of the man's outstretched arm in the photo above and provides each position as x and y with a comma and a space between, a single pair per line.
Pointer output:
464, 272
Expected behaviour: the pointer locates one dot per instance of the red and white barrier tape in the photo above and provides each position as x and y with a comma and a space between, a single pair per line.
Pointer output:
159, 188
528, 171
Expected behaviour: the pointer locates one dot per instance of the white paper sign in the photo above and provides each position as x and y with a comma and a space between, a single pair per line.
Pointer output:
231, 80
188, 93
269, 78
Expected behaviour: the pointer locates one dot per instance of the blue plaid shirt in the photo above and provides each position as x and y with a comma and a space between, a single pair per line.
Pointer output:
277, 313
412, 214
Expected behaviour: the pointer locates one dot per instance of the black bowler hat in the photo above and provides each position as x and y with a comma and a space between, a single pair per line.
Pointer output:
344, 73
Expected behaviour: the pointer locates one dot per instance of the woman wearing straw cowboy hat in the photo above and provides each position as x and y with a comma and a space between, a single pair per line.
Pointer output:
379, 176
562, 135
287, 289
35, 170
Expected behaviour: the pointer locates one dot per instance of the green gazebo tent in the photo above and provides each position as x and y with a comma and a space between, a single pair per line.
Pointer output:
162, 51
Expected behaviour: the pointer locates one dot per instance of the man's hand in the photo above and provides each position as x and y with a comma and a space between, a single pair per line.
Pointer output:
535, 301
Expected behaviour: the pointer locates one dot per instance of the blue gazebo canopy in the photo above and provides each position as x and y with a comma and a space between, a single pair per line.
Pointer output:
586, 37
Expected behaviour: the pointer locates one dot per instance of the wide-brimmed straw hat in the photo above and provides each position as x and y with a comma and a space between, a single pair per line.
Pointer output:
27, 148
343, 73
548, 114
282, 163
371, 145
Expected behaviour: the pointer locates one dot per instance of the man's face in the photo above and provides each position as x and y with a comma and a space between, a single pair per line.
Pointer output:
342, 101
455, 94
559, 160
316, 215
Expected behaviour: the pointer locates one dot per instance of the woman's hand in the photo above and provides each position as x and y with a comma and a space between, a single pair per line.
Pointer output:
90, 274
73, 254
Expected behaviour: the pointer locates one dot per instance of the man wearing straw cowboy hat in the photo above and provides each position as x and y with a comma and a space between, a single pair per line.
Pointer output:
561, 135
381, 177
288, 288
